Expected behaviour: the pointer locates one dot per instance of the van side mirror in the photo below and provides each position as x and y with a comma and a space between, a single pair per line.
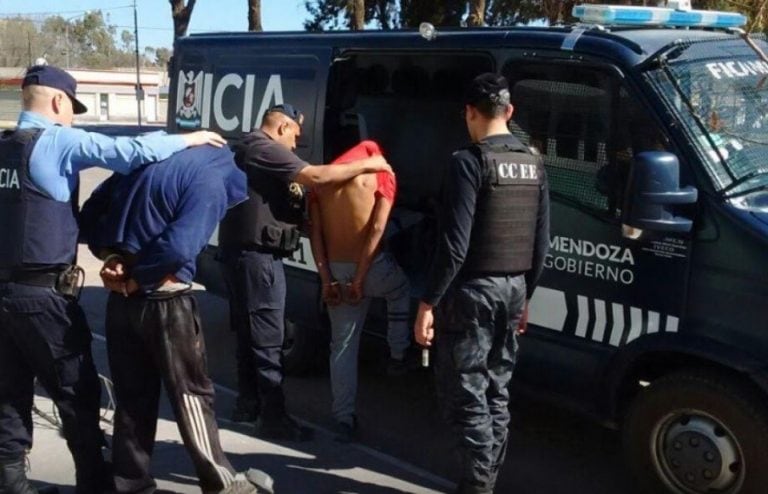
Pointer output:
653, 191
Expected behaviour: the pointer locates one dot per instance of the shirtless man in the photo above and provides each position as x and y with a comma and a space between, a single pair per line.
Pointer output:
348, 222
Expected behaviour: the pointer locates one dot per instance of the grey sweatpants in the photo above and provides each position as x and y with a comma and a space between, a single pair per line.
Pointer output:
385, 279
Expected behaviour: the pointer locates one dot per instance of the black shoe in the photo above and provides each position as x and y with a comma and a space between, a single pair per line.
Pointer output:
282, 429
346, 432
246, 410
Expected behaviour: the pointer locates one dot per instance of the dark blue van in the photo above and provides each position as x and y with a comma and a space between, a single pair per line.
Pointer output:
652, 314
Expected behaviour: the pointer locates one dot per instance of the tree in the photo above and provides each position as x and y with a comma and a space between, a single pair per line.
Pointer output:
88, 42
254, 15
19, 39
162, 57
356, 14
127, 39
476, 13
181, 13
388, 14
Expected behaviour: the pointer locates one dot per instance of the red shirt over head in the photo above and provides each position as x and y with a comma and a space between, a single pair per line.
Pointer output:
385, 182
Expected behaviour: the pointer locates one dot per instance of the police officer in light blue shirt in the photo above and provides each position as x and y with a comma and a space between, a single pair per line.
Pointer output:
43, 331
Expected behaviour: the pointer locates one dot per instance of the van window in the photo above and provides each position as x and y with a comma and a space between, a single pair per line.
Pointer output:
586, 125
410, 103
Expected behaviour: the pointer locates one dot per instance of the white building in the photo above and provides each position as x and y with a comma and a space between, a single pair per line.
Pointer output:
110, 95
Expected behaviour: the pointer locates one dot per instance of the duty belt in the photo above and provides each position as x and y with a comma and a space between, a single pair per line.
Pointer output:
67, 280
42, 278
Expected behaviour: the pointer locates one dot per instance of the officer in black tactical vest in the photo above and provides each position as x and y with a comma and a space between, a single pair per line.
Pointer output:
494, 234
254, 237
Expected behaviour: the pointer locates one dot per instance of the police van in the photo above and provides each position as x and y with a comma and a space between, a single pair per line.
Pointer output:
652, 312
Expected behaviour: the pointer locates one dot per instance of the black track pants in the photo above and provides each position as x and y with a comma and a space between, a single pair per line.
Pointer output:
150, 341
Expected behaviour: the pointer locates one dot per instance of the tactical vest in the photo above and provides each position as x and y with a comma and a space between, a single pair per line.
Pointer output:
507, 206
36, 229
269, 220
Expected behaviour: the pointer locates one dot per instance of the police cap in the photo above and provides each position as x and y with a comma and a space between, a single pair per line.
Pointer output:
289, 111
54, 77
488, 88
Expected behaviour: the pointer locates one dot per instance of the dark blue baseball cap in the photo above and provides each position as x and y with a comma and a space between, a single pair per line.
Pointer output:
487, 88
289, 111
50, 76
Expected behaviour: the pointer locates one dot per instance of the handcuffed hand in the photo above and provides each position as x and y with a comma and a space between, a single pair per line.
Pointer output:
354, 292
112, 273
331, 293
202, 137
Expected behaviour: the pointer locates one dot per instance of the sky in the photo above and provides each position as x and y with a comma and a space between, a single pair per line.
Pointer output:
154, 16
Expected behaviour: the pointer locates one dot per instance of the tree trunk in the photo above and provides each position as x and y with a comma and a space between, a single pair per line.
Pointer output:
181, 14
757, 17
356, 13
476, 13
254, 15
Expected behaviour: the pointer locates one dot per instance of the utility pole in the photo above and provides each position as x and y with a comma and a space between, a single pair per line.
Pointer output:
69, 47
139, 90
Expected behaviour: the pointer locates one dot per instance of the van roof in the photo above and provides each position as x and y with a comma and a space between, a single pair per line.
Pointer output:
630, 45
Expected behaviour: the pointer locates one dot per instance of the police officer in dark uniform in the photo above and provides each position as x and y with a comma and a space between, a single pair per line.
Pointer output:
254, 237
494, 234
43, 330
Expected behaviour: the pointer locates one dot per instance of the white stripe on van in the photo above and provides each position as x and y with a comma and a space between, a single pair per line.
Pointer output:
636, 323
672, 323
618, 324
600, 320
583, 323
548, 309
653, 322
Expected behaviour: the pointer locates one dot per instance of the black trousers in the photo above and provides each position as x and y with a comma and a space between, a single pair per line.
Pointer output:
149, 342
45, 335
256, 284
476, 346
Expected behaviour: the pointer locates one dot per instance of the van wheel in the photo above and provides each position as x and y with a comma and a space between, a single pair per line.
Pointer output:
697, 433
299, 348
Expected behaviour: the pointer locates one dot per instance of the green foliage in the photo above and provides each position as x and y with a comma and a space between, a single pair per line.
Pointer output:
88, 41
389, 14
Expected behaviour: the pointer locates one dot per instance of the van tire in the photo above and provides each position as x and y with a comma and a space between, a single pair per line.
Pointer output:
300, 348
695, 430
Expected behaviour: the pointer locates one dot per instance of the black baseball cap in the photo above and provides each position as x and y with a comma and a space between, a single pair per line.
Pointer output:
289, 111
50, 76
489, 87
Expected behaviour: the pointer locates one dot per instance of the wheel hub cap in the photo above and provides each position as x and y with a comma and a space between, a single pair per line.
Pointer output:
700, 455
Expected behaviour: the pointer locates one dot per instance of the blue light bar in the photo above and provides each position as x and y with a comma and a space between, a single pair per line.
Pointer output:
656, 16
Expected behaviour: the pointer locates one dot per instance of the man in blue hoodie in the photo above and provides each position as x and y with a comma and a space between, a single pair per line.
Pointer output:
149, 228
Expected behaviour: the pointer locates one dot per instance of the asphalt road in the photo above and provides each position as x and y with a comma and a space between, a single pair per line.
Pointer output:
550, 451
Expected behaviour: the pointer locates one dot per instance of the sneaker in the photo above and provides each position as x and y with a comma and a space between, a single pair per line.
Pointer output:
346, 432
397, 367
260, 479
284, 428
246, 410
241, 487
